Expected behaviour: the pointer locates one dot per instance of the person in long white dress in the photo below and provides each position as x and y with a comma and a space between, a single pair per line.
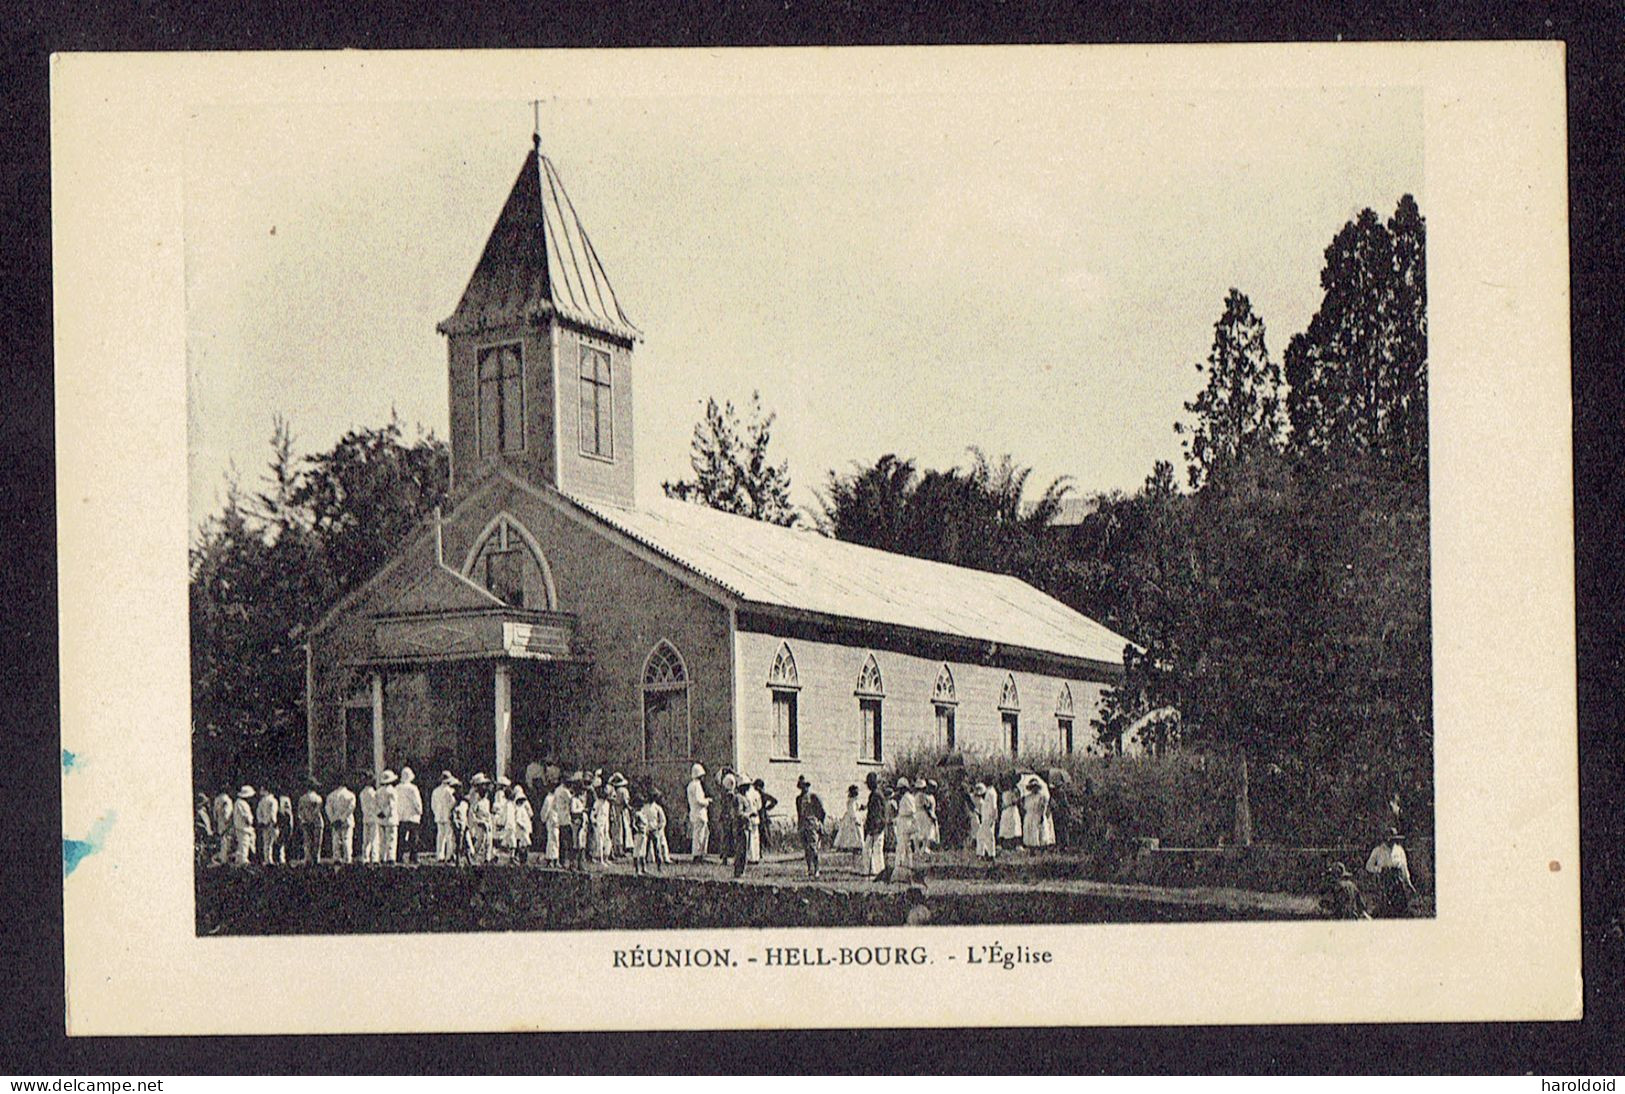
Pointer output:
1010, 812
849, 833
1034, 812
753, 818
929, 830
550, 828
908, 809
987, 821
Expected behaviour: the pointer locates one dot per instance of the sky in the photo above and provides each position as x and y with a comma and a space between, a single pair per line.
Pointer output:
914, 273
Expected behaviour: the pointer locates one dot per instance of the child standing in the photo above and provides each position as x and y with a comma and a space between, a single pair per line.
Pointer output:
522, 826
639, 822
655, 819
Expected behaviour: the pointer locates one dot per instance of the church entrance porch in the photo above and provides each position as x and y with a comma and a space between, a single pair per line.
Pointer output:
489, 715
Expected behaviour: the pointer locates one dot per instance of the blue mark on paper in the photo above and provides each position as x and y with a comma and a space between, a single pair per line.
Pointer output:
75, 851
70, 762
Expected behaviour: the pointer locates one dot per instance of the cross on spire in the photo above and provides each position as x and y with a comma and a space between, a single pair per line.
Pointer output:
536, 129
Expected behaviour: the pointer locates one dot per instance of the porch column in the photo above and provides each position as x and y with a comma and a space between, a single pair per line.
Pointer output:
504, 716
377, 682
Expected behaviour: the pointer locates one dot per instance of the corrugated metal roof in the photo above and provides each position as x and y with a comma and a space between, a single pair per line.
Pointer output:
800, 569
538, 259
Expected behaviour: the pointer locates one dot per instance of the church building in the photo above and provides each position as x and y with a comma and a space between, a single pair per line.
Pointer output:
547, 611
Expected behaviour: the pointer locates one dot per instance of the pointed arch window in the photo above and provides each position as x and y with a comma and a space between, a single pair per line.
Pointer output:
785, 684
944, 702
507, 561
1063, 719
1010, 714
665, 705
871, 693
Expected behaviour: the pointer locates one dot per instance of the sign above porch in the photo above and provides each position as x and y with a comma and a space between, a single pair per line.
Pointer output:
473, 634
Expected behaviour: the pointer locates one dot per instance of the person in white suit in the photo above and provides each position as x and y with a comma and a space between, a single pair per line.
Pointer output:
699, 815
389, 817
367, 802
442, 802
340, 810
409, 808
242, 826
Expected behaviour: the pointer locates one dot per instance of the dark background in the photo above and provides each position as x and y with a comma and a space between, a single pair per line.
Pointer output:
30, 873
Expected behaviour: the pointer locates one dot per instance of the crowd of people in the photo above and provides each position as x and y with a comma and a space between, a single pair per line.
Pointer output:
581, 818
589, 819
889, 828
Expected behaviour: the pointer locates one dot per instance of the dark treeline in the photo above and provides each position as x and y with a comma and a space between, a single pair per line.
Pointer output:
1281, 603
269, 564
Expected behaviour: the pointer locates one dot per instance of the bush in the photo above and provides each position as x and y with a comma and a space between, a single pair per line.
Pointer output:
1185, 798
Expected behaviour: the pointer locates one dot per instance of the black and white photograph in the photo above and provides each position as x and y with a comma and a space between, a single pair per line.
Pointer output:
612, 514
996, 527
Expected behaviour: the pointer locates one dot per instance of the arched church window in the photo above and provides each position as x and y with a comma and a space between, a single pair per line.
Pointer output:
508, 563
943, 700
1010, 714
1063, 719
785, 685
665, 704
871, 693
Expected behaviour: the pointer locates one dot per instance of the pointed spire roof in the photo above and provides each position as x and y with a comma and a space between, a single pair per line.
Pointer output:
539, 261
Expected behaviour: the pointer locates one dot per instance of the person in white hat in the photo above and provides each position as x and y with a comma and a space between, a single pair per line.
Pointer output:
986, 799
340, 810
242, 826
479, 818
1034, 812
699, 814
266, 812
367, 803
522, 825
903, 824
222, 825
409, 806
441, 804
389, 816
502, 839
620, 816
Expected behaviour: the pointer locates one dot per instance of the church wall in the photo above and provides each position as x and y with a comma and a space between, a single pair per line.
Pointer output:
830, 722
624, 606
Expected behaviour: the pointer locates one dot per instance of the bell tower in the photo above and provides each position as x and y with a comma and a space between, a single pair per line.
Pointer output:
539, 353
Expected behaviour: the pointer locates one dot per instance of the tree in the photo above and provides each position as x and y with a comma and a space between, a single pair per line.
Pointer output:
1239, 408
977, 516
1358, 375
267, 566
362, 498
731, 467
